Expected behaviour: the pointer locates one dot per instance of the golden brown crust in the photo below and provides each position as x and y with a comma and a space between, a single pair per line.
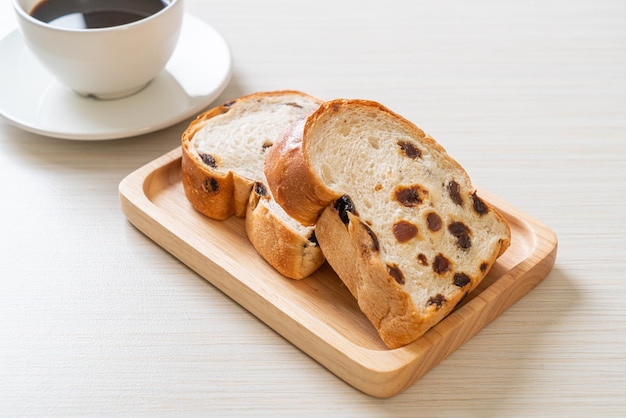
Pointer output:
294, 185
292, 254
348, 250
200, 182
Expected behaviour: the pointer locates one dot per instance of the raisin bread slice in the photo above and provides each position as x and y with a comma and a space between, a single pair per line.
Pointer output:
223, 151
396, 217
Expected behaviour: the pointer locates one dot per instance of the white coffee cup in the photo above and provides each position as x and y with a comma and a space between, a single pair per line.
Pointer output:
106, 63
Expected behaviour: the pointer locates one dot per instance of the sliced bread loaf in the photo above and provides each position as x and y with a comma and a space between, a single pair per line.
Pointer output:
223, 151
396, 217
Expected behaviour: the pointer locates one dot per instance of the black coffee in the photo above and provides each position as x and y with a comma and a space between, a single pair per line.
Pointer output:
93, 14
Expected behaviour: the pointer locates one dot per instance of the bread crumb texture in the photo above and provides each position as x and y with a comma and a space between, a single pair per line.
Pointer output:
240, 137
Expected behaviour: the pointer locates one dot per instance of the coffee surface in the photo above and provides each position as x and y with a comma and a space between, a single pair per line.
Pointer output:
94, 14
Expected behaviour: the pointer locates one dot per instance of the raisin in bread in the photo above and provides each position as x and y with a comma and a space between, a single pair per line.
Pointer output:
396, 217
223, 151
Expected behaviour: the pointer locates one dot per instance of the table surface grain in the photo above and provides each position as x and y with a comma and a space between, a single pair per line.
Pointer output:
95, 319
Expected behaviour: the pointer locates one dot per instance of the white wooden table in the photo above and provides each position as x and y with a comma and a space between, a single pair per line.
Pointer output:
97, 320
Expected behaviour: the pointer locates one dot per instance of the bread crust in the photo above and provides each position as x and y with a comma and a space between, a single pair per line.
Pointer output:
292, 181
350, 246
292, 254
198, 181
349, 250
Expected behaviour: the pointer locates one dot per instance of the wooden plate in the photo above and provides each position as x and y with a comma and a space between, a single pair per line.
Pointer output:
318, 314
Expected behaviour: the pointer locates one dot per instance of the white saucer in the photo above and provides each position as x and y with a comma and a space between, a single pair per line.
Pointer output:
32, 99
